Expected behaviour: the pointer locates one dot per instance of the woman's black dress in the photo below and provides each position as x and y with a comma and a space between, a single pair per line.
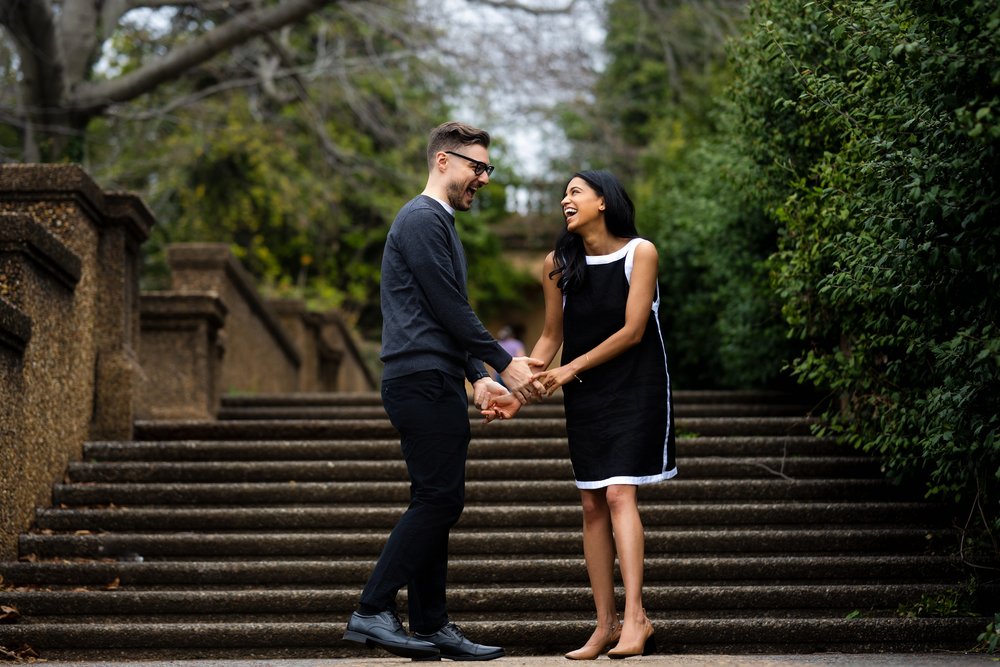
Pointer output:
619, 419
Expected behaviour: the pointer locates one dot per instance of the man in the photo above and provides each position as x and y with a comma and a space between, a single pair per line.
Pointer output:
432, 342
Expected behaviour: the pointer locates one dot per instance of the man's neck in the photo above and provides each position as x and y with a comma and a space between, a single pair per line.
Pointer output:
448, 207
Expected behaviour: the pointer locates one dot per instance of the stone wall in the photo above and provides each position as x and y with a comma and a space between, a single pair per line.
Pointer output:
83, 354
264, 359
331, 359
214, 334
68, 266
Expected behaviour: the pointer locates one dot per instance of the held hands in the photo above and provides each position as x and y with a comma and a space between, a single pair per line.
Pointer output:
554, 378
501, 407
519, 377
506, 406
485, 390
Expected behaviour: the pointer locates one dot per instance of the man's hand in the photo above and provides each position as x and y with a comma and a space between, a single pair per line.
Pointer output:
485, 389
501, 407
518, 376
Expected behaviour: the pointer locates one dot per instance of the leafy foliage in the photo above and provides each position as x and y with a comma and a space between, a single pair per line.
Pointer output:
990, 637
301, 176
873, 126
658, 123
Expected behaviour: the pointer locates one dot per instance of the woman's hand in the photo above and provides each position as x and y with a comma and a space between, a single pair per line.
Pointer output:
554, 378
501, 407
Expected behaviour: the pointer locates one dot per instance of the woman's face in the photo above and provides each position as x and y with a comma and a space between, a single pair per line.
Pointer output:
582, 206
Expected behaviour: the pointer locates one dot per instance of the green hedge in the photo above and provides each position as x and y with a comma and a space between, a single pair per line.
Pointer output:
873, 128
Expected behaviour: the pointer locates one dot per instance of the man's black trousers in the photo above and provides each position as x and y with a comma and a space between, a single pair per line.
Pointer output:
431, 412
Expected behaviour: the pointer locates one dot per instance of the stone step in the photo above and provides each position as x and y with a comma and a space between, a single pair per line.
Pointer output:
327, 412
476, 469
160, 519
256, 493
354, 429
481, 448
251, 536
482, 542
519, 637
680, 396
467, 600
770, 569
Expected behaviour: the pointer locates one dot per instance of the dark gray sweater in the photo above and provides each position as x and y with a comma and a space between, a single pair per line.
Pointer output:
427, 322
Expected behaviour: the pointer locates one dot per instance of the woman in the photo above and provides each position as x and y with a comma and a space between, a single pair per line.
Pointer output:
601, 300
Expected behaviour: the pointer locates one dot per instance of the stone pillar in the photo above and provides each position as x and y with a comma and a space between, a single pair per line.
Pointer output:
343, 366
104, 231
304, 335
69, 264
182, 352
260, 357
47, 391
120, 377
15, 332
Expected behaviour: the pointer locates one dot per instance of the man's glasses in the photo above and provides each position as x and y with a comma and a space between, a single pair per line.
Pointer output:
477, 166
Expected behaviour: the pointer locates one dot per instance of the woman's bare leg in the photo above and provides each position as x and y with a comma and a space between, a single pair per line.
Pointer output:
599, 553
629, 540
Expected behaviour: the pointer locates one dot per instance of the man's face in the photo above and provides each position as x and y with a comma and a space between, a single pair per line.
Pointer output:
463, 181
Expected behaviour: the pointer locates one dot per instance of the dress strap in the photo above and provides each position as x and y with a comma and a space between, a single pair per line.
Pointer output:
629, 260
630, 256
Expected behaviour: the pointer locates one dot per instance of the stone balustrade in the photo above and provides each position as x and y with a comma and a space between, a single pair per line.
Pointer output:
83, 353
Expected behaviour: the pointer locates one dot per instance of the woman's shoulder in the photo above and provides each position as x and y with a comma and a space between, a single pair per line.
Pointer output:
644, 247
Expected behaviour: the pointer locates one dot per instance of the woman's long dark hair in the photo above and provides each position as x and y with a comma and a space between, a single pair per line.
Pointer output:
619, 216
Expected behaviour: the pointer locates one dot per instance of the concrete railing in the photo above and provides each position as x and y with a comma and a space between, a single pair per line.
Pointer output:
214, 333
83, 354
69, 276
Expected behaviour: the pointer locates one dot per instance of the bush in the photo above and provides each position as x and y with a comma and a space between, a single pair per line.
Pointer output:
873, 125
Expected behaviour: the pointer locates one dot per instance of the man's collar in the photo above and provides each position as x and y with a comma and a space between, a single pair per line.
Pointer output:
446, 205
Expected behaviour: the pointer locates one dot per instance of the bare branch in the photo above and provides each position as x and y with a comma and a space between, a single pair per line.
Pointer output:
91, 98
521, 7
218, 6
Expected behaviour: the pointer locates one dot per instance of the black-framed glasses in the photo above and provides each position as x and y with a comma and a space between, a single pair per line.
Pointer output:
477, 166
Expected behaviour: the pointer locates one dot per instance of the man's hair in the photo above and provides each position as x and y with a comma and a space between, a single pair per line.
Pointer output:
454, 135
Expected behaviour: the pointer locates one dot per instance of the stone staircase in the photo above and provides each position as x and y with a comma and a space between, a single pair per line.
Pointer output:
252, 535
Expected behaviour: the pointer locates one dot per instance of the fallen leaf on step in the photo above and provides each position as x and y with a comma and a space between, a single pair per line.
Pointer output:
24, 653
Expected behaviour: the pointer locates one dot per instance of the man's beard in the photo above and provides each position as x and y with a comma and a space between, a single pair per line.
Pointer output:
456, 197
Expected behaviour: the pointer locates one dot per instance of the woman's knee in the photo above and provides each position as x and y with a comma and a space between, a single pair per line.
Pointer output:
621, 498
594, 504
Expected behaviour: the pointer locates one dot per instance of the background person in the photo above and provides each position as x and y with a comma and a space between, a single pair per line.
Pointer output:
510, 342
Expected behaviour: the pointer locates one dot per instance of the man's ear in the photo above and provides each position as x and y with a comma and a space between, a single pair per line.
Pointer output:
441, 161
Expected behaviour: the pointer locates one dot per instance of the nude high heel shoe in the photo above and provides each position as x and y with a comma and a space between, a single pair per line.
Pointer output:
646, 645
592, 649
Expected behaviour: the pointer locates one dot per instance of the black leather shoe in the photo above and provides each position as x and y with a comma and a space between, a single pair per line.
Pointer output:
385, 631
454, 645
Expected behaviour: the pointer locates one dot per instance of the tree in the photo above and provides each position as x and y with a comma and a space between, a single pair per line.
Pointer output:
59, 44
656, 119
292, 130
